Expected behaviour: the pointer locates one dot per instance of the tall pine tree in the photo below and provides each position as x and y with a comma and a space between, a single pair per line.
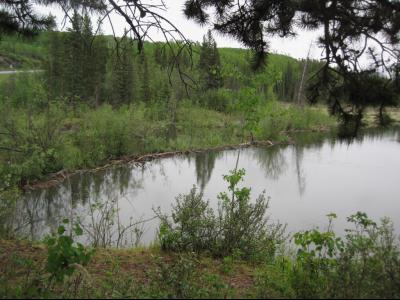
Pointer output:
122, 73
145, 86
210, 63
74, 73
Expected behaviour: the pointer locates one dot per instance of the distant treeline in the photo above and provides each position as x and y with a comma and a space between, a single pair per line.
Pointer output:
84, 65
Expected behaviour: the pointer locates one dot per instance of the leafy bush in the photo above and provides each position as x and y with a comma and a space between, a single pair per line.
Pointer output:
238, 227
30, 145
182, 278
64, 254
217, 99
244, 226
363, 264
195, 224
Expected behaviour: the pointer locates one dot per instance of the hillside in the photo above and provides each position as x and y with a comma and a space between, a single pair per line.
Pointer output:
22, 53
31, 53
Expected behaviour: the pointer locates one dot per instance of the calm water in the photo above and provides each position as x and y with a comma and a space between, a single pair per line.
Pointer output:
304, 182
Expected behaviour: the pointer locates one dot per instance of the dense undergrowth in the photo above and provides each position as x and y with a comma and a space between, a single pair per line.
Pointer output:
41, 137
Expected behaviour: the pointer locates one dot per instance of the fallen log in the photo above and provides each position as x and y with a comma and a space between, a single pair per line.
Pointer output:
62, 175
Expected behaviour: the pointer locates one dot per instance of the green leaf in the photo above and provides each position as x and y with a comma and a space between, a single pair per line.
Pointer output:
78, 230
61, 230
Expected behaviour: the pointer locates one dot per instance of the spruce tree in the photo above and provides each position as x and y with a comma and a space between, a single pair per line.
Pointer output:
100, 57
56, 64
145, 85
210, 64
74, 76
122, 73
88, 61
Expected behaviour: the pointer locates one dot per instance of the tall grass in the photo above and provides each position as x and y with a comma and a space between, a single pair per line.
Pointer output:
277, 118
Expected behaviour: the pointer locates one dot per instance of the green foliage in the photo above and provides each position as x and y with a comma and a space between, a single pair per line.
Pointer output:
9, 195
31, 143
210, 64
104, 134
20, 52
327, 266
182, 279
62, 118
240, 227
76, 67
276, 118
64, 254
248, 107
362, 264
195, 224
218, 99
122, 73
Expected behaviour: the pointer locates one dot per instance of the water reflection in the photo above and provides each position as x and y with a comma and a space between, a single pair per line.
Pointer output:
298, 153
306, 181
272, 161
205, 163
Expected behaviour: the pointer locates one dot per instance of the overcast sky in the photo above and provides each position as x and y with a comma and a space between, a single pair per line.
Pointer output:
296, 47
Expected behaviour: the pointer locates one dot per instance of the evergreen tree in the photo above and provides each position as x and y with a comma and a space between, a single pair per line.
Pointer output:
145, 87
122, 77
100, 56
56, 64
351, 29
77, 62
88, 61
160, 55
74, 73
18, 16
210, 64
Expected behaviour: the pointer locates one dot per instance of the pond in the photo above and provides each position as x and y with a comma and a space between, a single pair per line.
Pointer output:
304, 182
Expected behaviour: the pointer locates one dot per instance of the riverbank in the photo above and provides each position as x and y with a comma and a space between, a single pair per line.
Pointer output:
371, 117
283, 138
60, 141
198, 130
340, 269
133, 273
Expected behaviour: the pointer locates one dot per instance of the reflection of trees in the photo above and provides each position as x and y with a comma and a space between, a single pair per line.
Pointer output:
374, 134
272, 160
205, 163
40, 212
79, 186
301, 177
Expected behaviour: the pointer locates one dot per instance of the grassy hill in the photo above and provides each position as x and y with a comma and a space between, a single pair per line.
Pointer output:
22, 53
17, 52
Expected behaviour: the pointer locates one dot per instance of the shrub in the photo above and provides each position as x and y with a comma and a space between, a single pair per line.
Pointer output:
195, 224
244, 226
363, 264
238, 227
218, 99
31, 144
64, 254
183, 278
